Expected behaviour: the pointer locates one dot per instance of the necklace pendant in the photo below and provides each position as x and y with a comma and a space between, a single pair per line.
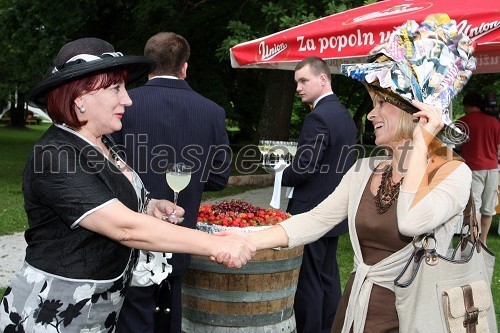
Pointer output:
387, 191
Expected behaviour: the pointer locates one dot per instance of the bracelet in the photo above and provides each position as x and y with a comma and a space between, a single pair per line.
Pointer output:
146, 204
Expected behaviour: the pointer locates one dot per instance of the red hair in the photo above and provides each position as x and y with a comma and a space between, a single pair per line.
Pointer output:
60, 101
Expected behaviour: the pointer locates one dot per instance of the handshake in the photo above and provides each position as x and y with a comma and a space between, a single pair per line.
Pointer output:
233, 248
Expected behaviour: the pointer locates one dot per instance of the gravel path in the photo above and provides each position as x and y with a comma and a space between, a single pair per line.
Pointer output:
12, 247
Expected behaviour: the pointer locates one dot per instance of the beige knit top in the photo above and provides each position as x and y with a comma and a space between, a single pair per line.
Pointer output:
439, 208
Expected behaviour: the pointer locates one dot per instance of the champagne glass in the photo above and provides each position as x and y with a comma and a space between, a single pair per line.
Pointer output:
264, 149
178, 176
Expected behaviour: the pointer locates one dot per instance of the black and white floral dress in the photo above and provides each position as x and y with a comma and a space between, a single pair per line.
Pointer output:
72, 280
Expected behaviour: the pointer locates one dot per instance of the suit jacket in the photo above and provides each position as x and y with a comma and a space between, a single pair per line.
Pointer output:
324, 155
169, 122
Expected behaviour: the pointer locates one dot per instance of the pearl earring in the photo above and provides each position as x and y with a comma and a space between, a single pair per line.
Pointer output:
81, 109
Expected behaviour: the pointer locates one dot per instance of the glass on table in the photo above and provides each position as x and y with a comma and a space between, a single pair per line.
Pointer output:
292, 149
264, 147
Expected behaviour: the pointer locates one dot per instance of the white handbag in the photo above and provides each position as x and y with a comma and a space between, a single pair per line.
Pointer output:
427, 298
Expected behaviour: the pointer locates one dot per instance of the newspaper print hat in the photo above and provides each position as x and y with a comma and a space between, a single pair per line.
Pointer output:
430, 62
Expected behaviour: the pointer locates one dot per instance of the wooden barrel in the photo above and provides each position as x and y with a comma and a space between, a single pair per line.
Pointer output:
255, 298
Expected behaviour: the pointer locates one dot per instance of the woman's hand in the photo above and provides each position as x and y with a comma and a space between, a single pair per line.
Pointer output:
233, 249
163, 208
430, 121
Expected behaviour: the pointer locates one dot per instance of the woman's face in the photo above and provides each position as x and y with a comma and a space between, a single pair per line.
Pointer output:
385, 118
105, 108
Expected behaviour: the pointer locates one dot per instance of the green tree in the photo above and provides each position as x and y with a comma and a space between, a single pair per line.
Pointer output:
261, 102
31, 33
259, 19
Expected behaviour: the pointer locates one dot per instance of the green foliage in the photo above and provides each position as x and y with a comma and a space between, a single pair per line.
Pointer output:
15, 146
299, 112
240, 32
281, 15
257, 19
31, 34
33, 31
482, 84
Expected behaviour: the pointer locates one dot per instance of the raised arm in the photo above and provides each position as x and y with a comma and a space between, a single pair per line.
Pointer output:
427, 202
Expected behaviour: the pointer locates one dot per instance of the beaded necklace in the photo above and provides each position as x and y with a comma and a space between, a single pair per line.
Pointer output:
387, 192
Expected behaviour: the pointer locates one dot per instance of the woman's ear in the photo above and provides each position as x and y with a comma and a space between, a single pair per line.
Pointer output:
78, 102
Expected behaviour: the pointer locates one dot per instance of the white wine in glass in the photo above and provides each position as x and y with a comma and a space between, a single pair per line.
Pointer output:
178, 176
264, 149
292, 148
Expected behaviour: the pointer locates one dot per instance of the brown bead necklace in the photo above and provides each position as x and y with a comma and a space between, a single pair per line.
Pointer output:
387, 192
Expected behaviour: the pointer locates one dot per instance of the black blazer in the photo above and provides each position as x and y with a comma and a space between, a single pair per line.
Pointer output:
323, 156
64, 179
169, 122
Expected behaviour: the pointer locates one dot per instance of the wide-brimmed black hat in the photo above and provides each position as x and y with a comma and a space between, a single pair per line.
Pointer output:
84, 57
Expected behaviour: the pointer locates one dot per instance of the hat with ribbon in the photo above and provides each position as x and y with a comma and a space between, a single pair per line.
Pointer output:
430, 62
82, 57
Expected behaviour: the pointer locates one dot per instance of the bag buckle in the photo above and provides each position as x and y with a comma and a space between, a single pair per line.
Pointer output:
471, 316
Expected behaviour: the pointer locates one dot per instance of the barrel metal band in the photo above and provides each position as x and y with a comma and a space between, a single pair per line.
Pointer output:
252, 267
239, 320
239, 296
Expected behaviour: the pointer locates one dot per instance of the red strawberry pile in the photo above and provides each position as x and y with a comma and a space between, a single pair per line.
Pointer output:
238, 213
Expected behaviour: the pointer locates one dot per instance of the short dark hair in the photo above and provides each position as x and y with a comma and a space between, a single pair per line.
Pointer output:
473, 99
60, 101
169, 51
317, 65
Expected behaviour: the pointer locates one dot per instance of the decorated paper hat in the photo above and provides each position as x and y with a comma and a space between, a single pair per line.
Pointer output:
82, 57
430, 62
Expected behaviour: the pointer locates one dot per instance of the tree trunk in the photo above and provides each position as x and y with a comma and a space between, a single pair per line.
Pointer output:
274, 121
18, 112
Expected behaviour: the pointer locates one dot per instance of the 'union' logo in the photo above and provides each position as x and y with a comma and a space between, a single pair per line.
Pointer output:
267, 52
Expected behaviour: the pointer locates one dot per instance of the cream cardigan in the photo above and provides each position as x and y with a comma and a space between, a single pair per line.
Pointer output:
439, 210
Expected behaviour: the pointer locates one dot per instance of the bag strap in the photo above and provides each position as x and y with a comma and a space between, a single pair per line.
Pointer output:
469, 222
470, 225
471, 312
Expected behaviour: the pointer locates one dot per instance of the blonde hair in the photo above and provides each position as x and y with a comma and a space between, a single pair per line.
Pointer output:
405, 127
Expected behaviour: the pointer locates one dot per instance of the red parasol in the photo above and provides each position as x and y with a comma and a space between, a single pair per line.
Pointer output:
347, 37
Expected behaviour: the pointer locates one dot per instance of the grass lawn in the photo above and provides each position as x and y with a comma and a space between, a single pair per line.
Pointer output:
15, 146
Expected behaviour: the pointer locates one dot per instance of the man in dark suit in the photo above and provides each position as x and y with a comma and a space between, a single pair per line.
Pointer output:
169, 122
323, 156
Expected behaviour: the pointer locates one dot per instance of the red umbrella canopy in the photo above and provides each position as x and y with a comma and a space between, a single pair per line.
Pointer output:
349, 36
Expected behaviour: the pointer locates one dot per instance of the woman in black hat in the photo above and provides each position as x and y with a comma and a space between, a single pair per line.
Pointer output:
86, 208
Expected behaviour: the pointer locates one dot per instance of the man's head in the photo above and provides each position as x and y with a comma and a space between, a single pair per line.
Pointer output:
473, 102
170, 52
313, 79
